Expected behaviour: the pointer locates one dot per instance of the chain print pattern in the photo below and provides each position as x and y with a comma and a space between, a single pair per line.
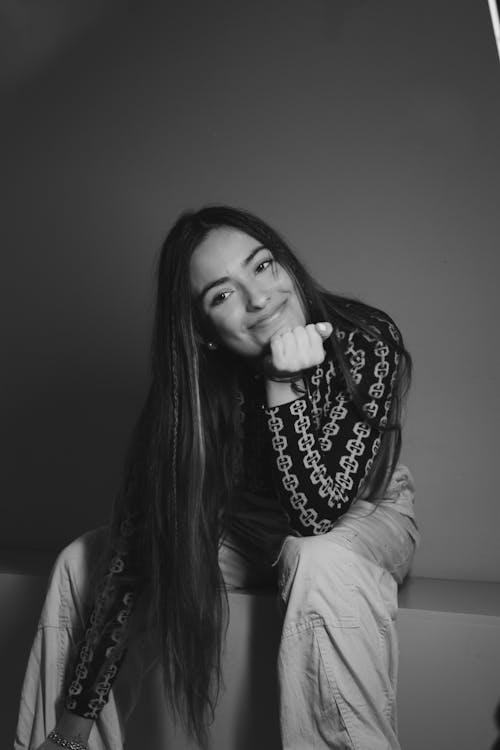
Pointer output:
316, 396
97, 638
320, 454
308, 516
319, 475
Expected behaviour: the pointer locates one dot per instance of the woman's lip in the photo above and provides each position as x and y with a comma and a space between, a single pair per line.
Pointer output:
263, 322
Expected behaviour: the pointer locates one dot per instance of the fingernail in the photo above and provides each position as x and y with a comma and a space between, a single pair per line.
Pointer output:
321, 326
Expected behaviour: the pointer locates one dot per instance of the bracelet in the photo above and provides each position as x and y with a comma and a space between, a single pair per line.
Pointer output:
64, 742
276, 376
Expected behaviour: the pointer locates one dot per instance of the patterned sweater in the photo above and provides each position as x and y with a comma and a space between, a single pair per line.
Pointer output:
312, 454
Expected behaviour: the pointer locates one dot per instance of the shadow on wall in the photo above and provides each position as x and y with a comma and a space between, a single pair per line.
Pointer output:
264, 642
50, 431
496, 744
32, 39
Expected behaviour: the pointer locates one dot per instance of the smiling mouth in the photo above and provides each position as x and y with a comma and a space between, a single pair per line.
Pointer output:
268, 319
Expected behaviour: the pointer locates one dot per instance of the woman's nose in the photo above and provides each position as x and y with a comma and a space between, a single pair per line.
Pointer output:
257, 298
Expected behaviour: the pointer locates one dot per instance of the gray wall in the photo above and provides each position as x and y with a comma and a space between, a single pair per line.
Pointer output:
366, 131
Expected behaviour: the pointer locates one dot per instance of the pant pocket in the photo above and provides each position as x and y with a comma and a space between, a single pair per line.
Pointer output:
313, 714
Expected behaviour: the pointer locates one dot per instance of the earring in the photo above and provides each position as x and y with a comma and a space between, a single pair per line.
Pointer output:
212, 346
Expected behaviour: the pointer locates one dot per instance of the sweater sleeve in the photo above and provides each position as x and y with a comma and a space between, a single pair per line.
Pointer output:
101, 651
323, 450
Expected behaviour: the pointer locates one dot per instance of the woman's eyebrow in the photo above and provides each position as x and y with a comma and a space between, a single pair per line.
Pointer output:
225, 279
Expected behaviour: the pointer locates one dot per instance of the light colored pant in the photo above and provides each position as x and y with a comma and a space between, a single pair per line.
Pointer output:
337, 662
338, 655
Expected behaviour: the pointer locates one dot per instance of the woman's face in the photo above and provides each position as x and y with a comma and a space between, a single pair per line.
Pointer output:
243, 292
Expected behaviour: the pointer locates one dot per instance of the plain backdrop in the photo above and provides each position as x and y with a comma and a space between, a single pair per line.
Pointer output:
367, 132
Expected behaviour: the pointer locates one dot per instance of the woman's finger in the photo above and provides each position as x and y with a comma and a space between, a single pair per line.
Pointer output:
324, 329
277, 352
302, 345
316, 349
299, 348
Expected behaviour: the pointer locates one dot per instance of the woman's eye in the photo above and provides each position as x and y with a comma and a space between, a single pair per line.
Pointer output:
220, 297
264, 265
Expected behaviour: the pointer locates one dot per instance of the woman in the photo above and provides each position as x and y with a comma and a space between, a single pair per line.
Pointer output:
266, 451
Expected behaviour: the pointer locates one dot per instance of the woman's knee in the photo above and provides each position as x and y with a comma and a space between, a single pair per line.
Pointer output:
312, 553
313, 560
71, 581
318, 579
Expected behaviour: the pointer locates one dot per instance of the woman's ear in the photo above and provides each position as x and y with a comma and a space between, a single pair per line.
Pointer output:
205, 336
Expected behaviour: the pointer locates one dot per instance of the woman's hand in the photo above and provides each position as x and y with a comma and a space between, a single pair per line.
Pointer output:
300, 348
291, 353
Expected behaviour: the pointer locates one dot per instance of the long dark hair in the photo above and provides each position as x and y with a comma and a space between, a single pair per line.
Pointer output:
181, 459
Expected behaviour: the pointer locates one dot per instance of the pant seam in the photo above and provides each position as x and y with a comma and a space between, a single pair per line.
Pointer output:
341, 705
389, 695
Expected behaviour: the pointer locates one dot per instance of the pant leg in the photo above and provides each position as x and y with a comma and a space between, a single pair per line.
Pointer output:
337, 664
61, 626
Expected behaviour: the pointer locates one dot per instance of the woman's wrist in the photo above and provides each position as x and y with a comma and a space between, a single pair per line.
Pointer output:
73, 727
65, 742
279, 376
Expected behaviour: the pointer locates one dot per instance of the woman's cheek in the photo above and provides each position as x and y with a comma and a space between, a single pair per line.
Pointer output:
225, 328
